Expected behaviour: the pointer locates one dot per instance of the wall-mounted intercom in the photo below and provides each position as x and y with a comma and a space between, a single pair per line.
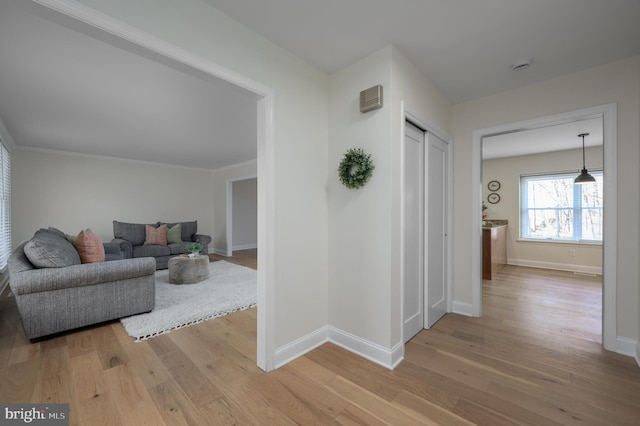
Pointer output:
371, 98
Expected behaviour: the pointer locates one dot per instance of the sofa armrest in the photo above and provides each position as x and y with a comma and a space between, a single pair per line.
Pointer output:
112, 248
125, 247
87, 274
204, 240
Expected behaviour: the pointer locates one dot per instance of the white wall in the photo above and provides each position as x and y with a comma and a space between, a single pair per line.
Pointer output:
617, 82
73, 192
221, 177
245, 214
359, 219
364, 230
300, 117
587, 257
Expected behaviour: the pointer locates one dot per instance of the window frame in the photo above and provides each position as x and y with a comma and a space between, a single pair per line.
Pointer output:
577, 210
5, 205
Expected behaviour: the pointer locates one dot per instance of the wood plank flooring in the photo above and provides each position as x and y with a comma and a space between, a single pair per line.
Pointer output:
533, 358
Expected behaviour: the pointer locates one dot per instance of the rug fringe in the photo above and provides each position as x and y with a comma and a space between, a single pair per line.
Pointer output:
190, 323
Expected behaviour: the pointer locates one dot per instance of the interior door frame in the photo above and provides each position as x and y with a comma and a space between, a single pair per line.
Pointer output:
422, 181
265, 110
410, 115
608, 113
229, 225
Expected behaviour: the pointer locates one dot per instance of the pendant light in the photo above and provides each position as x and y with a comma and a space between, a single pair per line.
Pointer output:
584, 177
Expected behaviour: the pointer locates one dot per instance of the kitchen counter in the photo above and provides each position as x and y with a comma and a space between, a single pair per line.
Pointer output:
494, 247
494, 223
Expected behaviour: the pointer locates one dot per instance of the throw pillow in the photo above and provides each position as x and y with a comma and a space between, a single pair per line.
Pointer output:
89, 247
157, 236
173, 234
72, 238
46, 250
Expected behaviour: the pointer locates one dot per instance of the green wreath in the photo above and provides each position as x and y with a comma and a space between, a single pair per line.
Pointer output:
355, 168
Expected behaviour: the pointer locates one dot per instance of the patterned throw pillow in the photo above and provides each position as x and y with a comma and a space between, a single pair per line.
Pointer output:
155, 235
89, 247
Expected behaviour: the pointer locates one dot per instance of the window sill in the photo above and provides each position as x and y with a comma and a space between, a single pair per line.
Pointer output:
550, 241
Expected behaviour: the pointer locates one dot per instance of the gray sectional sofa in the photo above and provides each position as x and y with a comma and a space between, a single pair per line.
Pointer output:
61, 293
131, 239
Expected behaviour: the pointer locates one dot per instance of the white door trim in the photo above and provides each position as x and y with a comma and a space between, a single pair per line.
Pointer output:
608, 113
266, 152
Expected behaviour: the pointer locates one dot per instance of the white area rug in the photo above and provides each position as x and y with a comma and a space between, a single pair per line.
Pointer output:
229, 288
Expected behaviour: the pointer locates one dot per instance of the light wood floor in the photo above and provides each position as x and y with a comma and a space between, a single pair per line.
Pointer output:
533, 358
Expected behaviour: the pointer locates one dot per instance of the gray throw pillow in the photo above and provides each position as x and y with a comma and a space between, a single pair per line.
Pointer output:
46, 250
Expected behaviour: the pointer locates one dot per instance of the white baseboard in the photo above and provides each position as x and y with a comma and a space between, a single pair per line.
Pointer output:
388, 358
462, 308
582, 269
245, 247
301, 346
626, 346
223, 252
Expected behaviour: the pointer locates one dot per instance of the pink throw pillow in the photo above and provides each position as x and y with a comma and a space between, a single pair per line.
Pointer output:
89, 247
156, 235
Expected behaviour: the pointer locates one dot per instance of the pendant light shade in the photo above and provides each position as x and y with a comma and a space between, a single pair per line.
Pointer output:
584, 177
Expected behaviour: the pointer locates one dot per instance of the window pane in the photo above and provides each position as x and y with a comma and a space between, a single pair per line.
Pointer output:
592, 224
550, 193
553, 207
550, 223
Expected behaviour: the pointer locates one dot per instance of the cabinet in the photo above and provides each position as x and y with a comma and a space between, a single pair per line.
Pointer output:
494, 250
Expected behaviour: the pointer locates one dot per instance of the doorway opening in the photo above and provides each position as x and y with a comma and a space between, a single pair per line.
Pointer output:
95, 24
550, 253
242, 214
607, 113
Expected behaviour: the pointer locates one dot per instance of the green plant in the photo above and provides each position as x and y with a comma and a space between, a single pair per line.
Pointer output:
195, 247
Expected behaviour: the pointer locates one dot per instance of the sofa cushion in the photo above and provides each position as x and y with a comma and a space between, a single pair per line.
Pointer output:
179, 248
155, 235
187, 229
89, 247
48, 250
132, 232
151, 251
174, 234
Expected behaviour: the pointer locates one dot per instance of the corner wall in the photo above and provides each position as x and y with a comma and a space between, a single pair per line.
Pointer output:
365, 312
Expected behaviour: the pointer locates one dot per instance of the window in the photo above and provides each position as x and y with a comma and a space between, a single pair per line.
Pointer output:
552, 207
5, 206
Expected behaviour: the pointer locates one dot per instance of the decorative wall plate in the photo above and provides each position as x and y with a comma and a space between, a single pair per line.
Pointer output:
494, 185
493, 198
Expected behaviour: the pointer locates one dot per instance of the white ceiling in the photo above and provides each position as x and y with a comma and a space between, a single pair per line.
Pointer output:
465, 47
65, 90
560, 137
61, 89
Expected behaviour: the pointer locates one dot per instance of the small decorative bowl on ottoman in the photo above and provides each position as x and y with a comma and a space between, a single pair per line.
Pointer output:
188, 270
